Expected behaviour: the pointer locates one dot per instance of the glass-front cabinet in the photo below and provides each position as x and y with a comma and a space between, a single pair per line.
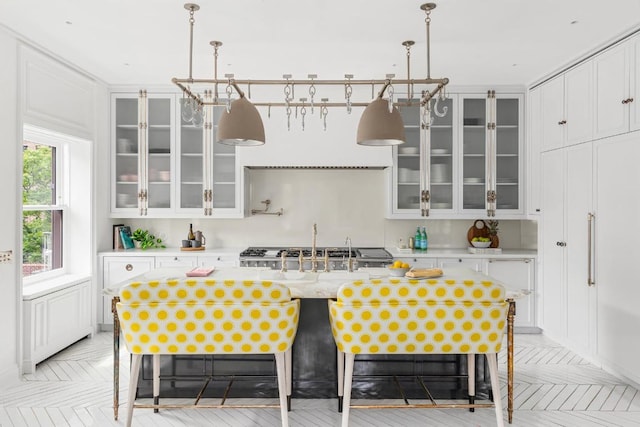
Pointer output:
422, 149
142, 153
471, 156
492, 154
164, 166
208, 177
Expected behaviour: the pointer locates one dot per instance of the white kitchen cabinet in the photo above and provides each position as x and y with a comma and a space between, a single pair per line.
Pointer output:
517, 273
142, 149
176, 261
117, 269
476, 147
165, 167
425, 164
210, 181
476, 264
617, 92
569, 298
552, 244
566, 108
534, 146
617, 253
218, 260
420, 262
492, 161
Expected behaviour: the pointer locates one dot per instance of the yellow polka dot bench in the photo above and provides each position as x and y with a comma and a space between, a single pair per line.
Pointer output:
405, 316
196, 316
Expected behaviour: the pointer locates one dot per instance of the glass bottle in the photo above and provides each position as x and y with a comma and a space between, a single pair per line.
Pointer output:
417, 239
191, 236
424, 242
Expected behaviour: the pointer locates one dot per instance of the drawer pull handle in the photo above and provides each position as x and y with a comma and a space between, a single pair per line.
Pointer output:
128, 267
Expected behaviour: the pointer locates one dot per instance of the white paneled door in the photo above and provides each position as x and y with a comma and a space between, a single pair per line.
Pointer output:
581, 296
618, 252
552, 244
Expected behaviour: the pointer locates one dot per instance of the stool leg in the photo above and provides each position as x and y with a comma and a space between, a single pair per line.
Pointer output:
471, 379
492, 359
156, 381
340, 379
348, 376
282, 388
136, 359
288, 365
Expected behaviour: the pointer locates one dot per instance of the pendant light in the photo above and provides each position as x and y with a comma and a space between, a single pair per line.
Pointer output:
241, 125
380, 127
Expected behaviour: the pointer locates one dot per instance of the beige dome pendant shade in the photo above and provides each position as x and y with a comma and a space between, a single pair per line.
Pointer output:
379, 127
242, 125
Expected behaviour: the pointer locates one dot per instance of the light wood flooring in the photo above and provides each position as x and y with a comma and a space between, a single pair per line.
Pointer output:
553, 387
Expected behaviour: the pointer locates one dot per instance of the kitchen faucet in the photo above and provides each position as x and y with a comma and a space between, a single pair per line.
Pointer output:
350, 261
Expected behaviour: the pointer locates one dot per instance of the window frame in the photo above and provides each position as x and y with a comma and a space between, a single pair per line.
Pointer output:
61, 144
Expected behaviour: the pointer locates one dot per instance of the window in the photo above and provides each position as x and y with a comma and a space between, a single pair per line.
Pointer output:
43, 208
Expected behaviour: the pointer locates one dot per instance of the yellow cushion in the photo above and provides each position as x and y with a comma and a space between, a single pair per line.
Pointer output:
202, 317
417, 317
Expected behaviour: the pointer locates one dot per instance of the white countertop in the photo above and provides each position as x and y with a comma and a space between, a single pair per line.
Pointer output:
462, 253
430, 253
305, 284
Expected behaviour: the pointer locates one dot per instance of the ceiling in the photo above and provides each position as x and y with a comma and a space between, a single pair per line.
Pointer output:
506, 42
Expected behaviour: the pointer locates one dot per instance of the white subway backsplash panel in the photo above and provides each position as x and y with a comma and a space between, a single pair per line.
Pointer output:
342, 202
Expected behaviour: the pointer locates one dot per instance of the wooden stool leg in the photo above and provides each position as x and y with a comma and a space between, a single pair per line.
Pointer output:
492, 359
340, 379
136, 359
282, 388
156, 381
348, 377
288, 365
471, 379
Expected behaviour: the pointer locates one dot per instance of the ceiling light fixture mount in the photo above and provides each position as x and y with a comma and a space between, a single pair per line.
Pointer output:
380, 123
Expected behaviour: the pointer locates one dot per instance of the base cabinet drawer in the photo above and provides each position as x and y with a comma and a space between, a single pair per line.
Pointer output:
517, 274
116, 270
476, 264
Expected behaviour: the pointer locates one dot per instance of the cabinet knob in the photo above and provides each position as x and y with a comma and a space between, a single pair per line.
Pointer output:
627, 101
562, 244
128, 267
175, 258
562, 122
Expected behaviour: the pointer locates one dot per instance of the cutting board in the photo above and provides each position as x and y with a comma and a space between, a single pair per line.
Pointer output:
478, 229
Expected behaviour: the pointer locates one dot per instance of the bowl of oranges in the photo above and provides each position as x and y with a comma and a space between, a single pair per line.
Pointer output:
399, 268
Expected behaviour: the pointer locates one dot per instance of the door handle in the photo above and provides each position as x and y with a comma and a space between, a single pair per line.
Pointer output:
590, 249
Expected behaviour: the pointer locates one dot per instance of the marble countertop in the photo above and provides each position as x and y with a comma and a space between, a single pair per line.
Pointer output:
302, 284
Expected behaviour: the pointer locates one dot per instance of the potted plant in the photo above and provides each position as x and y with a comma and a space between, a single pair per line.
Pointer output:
492, 225
146, 240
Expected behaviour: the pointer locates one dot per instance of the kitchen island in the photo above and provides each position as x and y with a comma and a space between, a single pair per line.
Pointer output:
314, 367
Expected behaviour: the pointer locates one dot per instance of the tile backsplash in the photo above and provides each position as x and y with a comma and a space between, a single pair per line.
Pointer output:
342, 202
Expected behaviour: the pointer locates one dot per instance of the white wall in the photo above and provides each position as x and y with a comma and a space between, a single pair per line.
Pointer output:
343, 202
9, 276
42, 91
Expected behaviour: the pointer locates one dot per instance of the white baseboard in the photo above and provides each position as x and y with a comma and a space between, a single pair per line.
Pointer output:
9, 376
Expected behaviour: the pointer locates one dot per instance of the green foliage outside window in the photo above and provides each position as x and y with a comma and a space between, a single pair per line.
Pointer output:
37, 189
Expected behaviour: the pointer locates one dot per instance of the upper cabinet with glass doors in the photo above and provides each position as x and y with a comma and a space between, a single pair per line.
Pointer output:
468, 161
424, 164
491, 154
208, 177
161, 169
142, 153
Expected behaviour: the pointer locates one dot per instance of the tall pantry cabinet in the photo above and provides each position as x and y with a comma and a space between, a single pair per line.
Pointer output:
589, 203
